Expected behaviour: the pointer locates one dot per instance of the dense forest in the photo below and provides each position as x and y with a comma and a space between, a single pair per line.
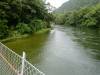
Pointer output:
19, 17
83, 17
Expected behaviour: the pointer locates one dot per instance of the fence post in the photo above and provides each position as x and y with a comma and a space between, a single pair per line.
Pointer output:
23, 63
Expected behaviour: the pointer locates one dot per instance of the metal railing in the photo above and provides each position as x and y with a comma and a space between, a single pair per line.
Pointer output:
13, 64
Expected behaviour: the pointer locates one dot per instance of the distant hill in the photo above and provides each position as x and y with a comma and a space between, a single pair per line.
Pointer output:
75, 5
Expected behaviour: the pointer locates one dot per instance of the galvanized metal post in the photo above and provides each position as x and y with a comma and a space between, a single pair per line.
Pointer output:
23, 63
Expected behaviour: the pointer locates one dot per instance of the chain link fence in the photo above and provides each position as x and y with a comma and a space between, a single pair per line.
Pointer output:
13, 64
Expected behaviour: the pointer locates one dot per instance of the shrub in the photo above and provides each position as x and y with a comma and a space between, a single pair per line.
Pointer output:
3, 29
23, 28
37, 25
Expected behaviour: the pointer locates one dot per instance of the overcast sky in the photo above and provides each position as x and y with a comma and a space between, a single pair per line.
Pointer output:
56, 3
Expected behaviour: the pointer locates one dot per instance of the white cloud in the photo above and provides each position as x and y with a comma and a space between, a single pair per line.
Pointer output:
56, 3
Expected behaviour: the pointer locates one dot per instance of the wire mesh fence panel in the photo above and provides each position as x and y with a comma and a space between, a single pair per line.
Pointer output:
11, 63
5, 69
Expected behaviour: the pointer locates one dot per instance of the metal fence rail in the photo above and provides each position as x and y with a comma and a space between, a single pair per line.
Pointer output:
13, 64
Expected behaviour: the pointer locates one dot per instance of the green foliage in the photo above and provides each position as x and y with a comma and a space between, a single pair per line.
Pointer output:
20, 13
89, 22
3, 29
16, 11
33, 26
70, 18
23, 28
88, 17
59, 18
37, 25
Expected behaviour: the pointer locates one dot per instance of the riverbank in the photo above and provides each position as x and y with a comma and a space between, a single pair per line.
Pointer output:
67, 51
25, 35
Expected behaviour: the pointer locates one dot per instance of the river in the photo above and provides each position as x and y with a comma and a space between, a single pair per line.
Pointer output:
62, 51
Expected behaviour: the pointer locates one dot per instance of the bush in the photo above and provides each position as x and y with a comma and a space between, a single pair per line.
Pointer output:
38, 25
23, 28
89, 22
3, 29
34, 26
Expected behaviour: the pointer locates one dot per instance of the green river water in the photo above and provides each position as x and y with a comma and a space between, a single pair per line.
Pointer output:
62, 51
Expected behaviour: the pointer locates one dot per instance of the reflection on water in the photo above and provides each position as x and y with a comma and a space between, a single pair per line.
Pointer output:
30, 45
63, 51
89, 38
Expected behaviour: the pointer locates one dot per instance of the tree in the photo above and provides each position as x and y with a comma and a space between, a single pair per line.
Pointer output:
22, 12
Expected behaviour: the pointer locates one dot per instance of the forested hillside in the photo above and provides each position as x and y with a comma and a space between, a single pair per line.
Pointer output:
23, 17
86, 17
72, 5
83, 17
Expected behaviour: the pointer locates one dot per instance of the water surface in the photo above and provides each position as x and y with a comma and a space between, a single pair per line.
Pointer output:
63, 51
